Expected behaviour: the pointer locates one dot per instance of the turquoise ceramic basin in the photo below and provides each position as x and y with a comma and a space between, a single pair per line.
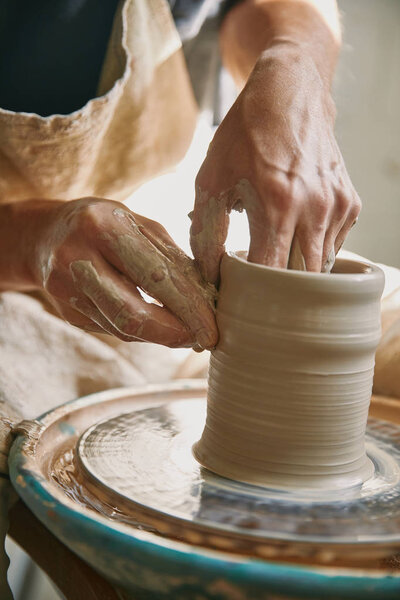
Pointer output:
145, 563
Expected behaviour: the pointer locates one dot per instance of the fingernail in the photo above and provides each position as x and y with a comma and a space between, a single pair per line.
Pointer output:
204, 340
197, 348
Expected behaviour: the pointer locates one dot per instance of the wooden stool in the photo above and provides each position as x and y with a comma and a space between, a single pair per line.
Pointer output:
72, 576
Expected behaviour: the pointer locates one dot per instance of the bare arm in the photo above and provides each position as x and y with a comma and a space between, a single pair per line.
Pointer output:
253, 26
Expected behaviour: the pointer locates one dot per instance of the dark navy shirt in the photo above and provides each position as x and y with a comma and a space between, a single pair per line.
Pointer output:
52, 51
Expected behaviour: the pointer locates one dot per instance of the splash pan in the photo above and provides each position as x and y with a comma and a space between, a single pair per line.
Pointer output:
113, 477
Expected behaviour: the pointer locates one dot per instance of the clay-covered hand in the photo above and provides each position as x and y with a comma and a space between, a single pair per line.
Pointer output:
275, 156
93, 256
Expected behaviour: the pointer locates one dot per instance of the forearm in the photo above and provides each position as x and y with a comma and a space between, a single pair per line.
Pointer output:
254, 26
21, 225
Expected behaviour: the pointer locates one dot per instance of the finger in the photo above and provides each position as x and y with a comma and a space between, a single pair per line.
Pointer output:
336, 220
311, 231
146, 266
123, 307
329, 252
74, 307
350, 221
208, 233
328, 263
329, 249
270, 239
296, 258
269, 247
82, 313
343, 233
74, 316
99, 323
161, 239
86, 316
311, 243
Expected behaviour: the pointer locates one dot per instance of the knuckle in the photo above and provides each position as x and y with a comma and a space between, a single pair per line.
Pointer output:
91, 216
125, 322
94, 213
342, 203
283, 196
353, 214
62, 256
348, 202
53, 270
290, 203
321, 206
279, 189
158, 229
318, 232
356, 205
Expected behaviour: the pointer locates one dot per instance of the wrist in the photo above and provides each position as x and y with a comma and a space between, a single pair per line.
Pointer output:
255, 26
43, 216
23, 227
296, 64
317, 57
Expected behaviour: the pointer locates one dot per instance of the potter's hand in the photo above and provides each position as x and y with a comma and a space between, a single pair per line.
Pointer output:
92, 257
275, 156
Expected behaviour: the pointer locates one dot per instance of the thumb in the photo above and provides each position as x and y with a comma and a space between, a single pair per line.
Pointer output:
210, 222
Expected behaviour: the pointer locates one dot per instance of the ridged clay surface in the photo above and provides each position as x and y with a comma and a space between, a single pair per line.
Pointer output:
290, 380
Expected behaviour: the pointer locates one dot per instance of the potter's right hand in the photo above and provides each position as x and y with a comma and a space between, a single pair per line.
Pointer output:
275, 156
93, 256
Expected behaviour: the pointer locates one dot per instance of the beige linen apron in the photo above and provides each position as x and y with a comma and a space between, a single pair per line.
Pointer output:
138, 126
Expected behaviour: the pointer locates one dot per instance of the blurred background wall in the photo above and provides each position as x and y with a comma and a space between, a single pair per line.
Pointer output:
367, 93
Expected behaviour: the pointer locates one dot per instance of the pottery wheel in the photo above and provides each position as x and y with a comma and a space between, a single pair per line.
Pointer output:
142, 461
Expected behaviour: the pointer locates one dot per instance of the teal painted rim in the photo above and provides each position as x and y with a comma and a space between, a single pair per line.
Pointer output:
69, 524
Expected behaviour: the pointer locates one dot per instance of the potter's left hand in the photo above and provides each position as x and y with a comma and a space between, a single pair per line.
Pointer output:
275, 156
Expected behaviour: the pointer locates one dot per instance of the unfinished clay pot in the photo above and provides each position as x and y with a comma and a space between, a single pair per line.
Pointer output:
290, 380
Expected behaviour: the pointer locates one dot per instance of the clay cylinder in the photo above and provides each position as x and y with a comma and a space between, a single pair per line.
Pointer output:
291, 378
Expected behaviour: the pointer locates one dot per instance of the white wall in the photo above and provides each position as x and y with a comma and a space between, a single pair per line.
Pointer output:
367, 91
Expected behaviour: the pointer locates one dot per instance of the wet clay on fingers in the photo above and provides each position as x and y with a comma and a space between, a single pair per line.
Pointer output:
290, 380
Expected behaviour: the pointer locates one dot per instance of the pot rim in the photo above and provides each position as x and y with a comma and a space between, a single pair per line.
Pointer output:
366, 271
